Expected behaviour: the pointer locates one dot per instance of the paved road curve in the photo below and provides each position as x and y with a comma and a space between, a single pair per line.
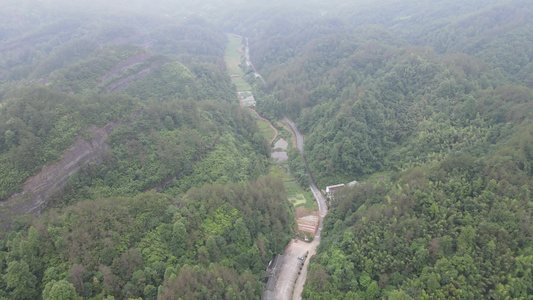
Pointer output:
322, 207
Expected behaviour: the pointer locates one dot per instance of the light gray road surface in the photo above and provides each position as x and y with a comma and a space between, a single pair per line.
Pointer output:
322, 207
290, 283
289, 269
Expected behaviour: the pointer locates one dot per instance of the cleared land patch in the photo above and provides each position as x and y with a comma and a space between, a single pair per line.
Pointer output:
233, 58
295, 194
297, 200
266, 131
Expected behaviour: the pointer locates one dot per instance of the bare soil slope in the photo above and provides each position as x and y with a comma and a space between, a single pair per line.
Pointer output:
39, 188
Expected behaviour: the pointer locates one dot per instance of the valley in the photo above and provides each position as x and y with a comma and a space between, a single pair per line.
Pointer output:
322, 150
292, 272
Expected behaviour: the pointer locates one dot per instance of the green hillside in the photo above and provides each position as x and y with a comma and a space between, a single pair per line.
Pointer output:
178, 198
427, 104
431, 111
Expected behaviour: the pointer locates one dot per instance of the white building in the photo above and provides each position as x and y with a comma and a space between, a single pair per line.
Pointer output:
331, 189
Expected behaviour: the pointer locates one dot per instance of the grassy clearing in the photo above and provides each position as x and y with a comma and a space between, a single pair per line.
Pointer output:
298, 200
246, 94
241, 84
377, 177
310, 204
233, 59
295, 194
292, 188
266, 131
233, 54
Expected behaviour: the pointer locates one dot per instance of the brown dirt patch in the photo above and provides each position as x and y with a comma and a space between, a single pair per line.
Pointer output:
303, 212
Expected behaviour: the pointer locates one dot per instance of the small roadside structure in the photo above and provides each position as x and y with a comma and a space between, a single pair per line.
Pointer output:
272, 273
332, 188
247, 99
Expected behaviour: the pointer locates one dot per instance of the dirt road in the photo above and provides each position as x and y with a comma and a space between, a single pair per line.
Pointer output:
288, 275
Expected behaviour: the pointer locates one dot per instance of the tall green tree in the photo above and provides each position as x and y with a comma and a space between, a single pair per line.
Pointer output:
20, 282
59, 290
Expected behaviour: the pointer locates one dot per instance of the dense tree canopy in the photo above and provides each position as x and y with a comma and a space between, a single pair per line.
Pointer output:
108, 232
215, 240
428, 104
436, 124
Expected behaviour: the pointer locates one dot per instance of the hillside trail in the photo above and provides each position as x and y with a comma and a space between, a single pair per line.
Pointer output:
292, 273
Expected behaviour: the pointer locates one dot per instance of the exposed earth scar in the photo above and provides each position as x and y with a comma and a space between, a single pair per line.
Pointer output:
39, 188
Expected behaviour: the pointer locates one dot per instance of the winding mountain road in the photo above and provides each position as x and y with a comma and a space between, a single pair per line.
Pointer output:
322, 207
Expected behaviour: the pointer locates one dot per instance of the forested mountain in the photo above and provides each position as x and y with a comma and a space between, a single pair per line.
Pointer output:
430, 106
368, 87
38, 123
212, 243
173, 205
